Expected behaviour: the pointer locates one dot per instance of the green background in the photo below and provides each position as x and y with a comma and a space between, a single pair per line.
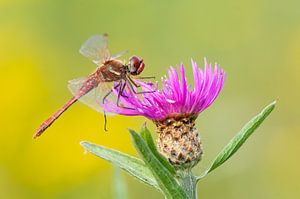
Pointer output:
256, 42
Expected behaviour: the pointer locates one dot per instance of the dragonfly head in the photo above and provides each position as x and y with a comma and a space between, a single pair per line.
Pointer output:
136, 65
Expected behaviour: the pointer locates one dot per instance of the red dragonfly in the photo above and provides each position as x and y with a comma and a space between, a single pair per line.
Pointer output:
110, 73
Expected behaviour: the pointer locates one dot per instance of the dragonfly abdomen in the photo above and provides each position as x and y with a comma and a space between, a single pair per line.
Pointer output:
91, 83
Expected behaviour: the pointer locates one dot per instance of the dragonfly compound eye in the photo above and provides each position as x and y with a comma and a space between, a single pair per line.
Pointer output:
141, 67
135, 63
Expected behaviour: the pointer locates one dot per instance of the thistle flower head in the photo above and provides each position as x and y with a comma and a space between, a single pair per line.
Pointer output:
174, 109
176, 97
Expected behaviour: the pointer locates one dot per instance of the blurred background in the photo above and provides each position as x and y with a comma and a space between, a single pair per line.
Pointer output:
256, 42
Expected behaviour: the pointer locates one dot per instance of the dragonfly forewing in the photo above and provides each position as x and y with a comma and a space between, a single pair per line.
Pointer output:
95, 48
120, 54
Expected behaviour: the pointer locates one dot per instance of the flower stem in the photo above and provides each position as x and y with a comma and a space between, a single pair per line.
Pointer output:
189, 183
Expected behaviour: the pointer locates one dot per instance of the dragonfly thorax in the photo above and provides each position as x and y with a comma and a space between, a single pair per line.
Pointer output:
112, 70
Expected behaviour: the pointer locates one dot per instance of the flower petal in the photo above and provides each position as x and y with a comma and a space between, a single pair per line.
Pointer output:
175, 96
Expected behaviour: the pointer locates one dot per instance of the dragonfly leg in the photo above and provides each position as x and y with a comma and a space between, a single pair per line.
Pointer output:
132, 83
150, 77
105, 121
107, 94
103, 101
121, 89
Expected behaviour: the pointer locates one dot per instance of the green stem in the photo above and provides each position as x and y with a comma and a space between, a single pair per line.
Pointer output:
189, 183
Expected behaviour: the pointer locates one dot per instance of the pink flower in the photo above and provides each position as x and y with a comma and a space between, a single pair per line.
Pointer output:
176, 97
174, 110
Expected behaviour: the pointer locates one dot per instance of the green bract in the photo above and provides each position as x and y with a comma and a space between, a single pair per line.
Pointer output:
153, 169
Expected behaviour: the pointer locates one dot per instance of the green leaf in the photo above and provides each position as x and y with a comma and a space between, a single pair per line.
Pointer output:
119, 185
146, 135
239, 139
164, 178
132, 165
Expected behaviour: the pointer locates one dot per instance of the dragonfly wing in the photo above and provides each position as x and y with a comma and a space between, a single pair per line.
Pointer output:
87, 99
94, 97
95, 48
115, 56
104, 90
75, 84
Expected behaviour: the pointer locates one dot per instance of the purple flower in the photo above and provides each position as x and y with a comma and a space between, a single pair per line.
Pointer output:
174, 110
176, 96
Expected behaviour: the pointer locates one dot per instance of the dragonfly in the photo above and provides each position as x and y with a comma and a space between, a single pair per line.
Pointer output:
111, 73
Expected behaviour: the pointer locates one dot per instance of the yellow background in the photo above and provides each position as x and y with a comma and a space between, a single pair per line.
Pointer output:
256, 42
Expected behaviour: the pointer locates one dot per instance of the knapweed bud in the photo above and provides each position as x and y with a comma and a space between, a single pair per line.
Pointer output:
179, 141
174, 110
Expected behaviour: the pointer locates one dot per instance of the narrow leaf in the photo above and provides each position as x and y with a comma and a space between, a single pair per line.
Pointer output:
146, 135
132, 165
239, 139
119, 185
164, 178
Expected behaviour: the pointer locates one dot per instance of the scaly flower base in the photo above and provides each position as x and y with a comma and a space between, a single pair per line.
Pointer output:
179, 141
